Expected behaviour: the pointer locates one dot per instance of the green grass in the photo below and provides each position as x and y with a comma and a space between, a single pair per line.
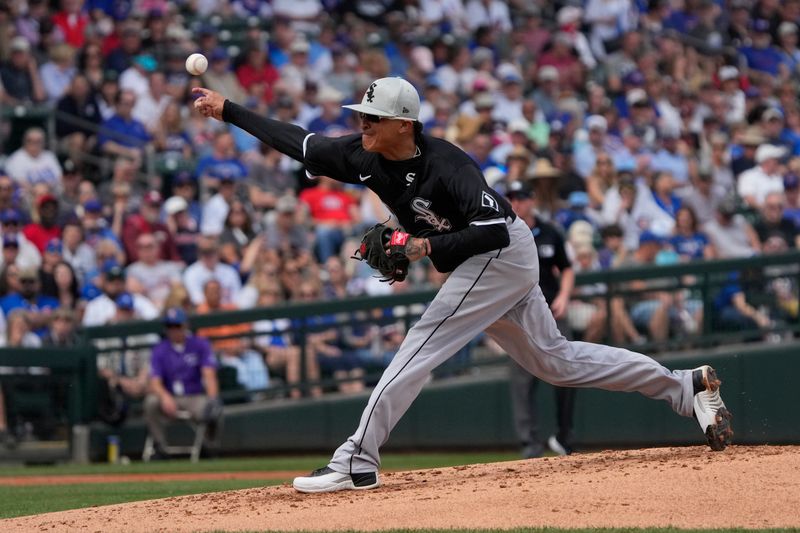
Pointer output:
390, 461
35, 499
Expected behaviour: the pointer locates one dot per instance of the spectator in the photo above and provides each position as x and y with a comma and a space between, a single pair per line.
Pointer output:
95, 226
10, 250
151, 275
730, 233
182, 227
122, 135
75, 137
689, 242
103, 309
703, 197
135, 77
753, 185
62, 331
237, 234
208, 266
75, 251
19, 76
772, 224
275, 342
600, 180
171, 139
130, 45
331, 122
28, 254
334, 214
18, 331
183, 376
147, 220
232, 343
57, 74
344, 366
760, 55
46, 229
586, 154
151, 104
791, 189
650, 309
38, 307
219, 76
257, 75
61, 284
8, 197
732, 312
32, 164
124, 363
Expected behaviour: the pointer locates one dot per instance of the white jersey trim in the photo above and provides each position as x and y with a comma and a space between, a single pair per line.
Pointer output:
305, 146
488, 222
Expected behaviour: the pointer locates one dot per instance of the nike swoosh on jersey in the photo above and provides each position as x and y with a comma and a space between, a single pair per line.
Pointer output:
364, 178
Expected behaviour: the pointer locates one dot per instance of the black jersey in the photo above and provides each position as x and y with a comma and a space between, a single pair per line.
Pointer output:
440, 194
436, 194
552, 258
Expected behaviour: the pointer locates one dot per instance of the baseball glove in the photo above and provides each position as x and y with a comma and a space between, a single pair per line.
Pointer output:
384, 249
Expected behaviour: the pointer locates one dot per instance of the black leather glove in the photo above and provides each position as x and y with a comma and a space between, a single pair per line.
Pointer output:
213, 409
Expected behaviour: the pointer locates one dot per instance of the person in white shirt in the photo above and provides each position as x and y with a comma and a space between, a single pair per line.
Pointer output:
150, 106
215, 211
151, 275
209, 267
756, 183
135, 77
32, 164
103, 309
492, 13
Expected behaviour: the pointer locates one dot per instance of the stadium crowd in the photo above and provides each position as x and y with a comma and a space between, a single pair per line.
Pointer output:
651, 132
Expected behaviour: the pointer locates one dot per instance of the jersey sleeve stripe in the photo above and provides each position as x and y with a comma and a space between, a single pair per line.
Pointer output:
488, 222
305, 143
305, 146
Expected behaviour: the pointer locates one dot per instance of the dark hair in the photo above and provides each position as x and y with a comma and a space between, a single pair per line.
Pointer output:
611, 231
418, 127
692, 215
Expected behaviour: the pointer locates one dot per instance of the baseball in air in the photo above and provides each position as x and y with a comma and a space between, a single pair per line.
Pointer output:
196, 64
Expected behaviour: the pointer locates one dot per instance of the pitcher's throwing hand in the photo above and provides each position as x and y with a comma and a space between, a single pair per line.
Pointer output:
208, 103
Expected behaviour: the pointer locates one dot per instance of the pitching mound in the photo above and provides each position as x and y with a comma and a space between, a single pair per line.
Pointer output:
745, 486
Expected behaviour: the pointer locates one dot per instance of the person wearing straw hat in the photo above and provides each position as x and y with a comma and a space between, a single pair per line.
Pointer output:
451, 215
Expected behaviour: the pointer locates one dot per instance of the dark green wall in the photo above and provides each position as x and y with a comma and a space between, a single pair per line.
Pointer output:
759, 387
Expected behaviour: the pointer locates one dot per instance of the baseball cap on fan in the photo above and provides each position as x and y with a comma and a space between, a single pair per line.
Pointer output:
390, 98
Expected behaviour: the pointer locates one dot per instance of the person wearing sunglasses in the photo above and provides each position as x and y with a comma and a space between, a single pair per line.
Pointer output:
438, 194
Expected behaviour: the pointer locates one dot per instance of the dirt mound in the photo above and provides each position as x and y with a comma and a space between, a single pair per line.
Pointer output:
745, 486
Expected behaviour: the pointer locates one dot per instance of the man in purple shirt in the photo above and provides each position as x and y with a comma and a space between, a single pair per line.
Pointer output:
183, 377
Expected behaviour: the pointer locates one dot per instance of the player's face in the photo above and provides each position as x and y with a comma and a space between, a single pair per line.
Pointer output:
381, 136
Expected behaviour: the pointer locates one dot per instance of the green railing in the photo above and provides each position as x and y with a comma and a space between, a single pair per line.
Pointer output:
702, 280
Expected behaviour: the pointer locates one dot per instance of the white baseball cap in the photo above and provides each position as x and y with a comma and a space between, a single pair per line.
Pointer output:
175, 204
769, 151
597, 122
391, 98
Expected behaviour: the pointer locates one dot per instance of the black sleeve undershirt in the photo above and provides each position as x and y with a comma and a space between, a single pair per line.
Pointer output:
285, 138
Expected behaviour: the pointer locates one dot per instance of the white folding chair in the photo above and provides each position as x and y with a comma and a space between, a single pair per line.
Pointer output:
193, 450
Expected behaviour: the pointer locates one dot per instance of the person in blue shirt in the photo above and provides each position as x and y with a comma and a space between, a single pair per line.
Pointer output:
28, 298
183, 376
761, 55
688, 242
732, 312
123, 135
577, 202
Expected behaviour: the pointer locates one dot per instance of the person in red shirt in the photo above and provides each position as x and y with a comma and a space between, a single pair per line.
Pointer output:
147, 221
257, 75
72, 21
40, 233
334, 213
